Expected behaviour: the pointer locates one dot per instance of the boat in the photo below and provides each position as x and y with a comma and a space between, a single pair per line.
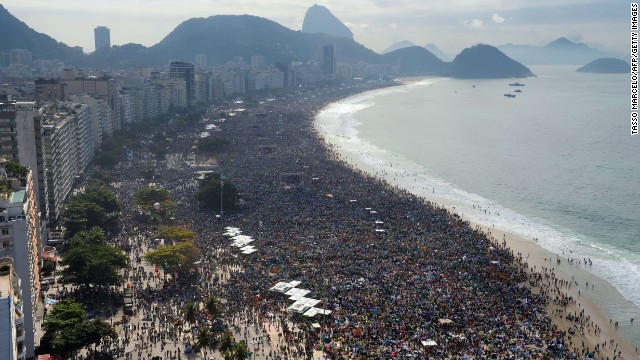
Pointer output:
518, 90
509, 95
516, 84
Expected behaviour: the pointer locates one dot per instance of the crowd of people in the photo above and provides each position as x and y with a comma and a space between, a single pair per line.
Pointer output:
402, 277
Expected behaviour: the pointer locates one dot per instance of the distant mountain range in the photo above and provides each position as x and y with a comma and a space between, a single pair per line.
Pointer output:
561, 51
406, 43
224, 37
319, 19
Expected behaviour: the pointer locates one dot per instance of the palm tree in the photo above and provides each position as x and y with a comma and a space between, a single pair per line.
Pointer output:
212, 305
203, 340
240, 351
227, 343
190, 313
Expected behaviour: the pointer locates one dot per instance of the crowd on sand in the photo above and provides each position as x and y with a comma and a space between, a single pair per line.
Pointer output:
403, 278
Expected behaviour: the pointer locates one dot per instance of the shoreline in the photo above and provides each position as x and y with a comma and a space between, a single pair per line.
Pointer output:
541, 259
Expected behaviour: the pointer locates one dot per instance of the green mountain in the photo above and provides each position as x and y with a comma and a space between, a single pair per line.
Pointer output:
15, 34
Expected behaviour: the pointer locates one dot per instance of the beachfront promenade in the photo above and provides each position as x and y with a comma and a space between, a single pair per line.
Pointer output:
403, 279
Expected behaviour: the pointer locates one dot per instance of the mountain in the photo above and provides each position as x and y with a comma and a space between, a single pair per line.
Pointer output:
437, 52
222, 37
486, 62
398, 45
415, 60
319, 19
14, 34
606, 66
561, 51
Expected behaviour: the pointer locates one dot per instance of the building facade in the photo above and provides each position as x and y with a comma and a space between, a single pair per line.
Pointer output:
102, 37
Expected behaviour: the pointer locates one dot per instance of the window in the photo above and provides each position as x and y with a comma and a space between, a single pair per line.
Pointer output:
5, 244
5, 231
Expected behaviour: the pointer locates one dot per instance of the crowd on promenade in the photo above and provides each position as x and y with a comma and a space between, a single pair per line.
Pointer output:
403, 278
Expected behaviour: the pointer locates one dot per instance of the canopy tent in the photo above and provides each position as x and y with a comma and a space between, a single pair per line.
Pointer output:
445, 321
314, 311
429, 343
302, 305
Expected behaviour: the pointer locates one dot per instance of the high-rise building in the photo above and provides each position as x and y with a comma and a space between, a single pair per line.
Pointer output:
201, 61
187, 72
257, 61
102, 36
20, 238
328, 61
11, 315
20, 57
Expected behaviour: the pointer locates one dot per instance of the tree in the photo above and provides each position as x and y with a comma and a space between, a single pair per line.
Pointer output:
101, 175
191, 313
94, 331
93, 236
212, 305
94, 264
211, 145
227, 343
172, 259
82, 214
61, 326
203, 339
240, 351
208, 195
99, 193
65, 314
174, 234
48, 267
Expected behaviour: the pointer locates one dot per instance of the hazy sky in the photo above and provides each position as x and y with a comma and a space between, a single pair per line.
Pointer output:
451, 24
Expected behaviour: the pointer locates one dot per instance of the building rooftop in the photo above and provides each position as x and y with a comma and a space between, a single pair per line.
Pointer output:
18, 196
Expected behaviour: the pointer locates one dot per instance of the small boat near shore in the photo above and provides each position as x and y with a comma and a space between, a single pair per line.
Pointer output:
518, 91
509, 95
516, 84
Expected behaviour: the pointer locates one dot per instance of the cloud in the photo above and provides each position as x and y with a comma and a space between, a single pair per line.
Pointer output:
497, 18
473, 24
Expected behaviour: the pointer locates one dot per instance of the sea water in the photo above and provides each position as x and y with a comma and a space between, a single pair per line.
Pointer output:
555, 164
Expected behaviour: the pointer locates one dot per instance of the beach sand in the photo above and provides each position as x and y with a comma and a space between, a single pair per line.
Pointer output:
538, 258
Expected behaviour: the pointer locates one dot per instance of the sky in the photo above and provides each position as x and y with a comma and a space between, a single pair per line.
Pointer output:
450, 24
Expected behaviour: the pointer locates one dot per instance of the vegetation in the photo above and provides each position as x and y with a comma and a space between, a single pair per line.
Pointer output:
89, 261
48, 267
173, 259
67, 330
17, 169
97, 206
211, 145
208, 195
174, 234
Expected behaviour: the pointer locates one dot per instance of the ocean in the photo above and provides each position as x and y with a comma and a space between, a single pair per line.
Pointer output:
555, 164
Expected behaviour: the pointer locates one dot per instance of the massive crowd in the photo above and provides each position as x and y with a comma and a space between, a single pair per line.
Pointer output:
403, 278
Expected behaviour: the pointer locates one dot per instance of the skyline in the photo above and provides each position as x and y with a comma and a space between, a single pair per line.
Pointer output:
377, 24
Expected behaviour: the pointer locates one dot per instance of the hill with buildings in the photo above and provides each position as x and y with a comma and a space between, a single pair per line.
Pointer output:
606, 66
318, 19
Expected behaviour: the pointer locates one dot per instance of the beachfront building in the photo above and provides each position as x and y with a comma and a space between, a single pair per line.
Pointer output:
20, 239
187, 72
67, 142
12, 332
21, 140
